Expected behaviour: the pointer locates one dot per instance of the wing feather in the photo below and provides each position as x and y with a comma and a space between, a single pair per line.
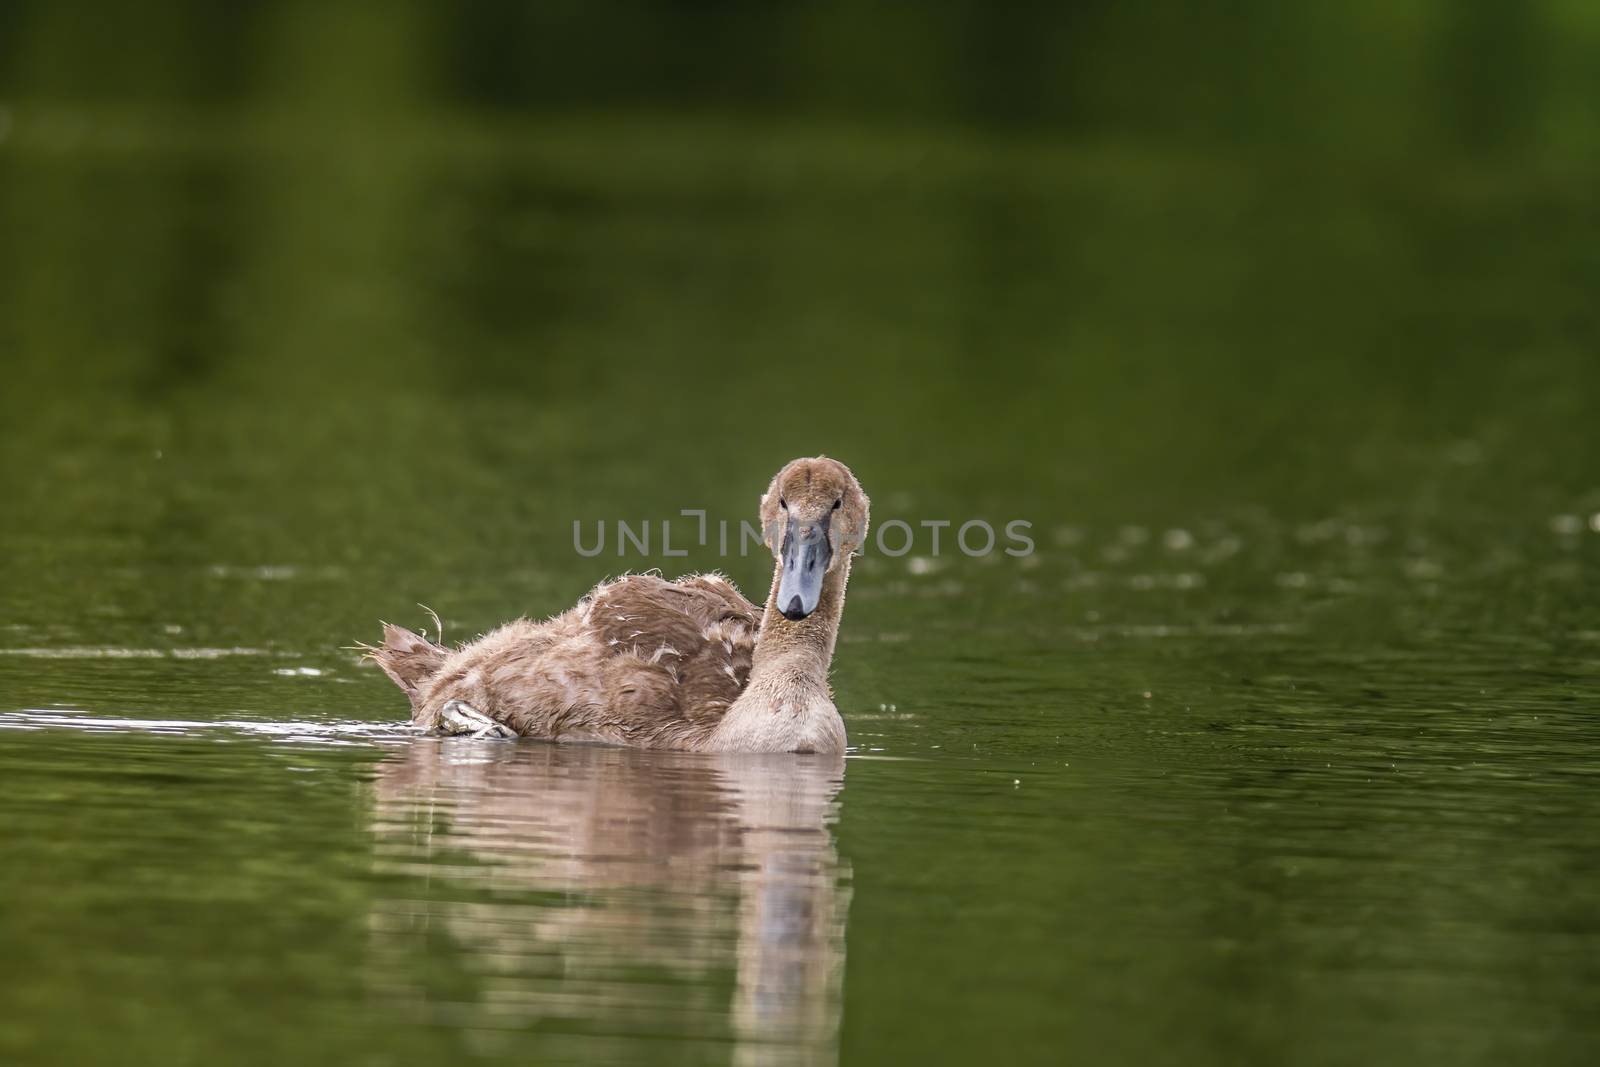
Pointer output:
698, 634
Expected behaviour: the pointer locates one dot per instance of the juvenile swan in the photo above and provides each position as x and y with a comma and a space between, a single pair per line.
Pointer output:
689, 664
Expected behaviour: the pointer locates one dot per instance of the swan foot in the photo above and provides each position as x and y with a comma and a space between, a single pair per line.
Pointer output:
458, 718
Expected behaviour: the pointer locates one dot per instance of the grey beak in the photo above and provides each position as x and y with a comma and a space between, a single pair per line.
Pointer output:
805, 555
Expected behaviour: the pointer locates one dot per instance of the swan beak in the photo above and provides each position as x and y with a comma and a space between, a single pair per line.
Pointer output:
806, 554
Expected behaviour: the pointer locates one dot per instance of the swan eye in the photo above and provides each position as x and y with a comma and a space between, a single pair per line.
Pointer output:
836, 503
782, 503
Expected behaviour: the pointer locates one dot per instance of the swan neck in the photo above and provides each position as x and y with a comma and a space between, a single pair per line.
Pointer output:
806, 644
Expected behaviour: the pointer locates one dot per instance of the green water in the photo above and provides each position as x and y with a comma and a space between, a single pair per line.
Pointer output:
1278, 748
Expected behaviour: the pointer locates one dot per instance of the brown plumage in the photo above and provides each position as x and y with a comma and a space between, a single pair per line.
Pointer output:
686, 664
407, 658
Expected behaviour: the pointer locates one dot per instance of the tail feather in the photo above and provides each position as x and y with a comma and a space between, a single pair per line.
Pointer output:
408, 659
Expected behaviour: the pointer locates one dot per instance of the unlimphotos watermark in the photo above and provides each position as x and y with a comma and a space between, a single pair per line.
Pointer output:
892, 537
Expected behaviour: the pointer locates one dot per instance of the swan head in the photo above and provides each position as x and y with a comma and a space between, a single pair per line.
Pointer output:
813, 517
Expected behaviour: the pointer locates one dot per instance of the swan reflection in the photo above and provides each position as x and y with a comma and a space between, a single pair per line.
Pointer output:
599, 897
